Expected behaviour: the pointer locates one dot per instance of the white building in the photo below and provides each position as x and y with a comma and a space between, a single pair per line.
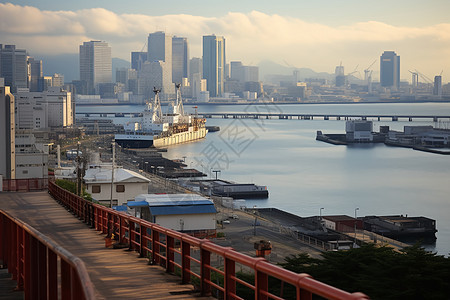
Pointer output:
39, 110
31, 162
359, 130
127, 184
190, 213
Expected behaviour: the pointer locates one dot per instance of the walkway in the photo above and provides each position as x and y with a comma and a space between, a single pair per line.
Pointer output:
115, 273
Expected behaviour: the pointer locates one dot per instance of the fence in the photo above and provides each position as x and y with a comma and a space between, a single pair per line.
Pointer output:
24, 185
41, 268
197, 261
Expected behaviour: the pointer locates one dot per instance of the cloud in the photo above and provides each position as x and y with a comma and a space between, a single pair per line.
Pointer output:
250, 37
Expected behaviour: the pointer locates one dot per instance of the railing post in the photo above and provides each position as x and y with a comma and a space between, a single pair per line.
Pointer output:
170, 256
185, 262
205, 272
42, 265
3, 238
142, 235
52, 275
27, 263
121, 230
20, 257
66, 281
155, 246
12, 259
228, 281
262, 285
131, 228
34, 265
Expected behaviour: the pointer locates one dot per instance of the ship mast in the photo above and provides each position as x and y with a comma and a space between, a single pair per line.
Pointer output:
157, 113
179, 103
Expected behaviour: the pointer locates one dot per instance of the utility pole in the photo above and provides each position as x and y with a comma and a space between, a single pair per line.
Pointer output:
112, 170
78, 170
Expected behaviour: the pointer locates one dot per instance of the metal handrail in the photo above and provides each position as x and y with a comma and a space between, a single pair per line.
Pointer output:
32, 259
176, 253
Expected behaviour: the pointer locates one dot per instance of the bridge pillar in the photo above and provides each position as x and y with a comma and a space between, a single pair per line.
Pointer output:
435, 119
394, 118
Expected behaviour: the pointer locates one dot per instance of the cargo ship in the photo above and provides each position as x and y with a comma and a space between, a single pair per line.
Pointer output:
156, 129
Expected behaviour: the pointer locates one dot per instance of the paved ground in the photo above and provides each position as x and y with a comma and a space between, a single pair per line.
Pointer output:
241, 234
115, 273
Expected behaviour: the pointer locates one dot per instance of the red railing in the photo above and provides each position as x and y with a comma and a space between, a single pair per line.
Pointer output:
33, 261
24, 185
196, 260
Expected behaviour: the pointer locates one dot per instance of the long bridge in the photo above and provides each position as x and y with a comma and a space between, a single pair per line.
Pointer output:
288, 116
157, 263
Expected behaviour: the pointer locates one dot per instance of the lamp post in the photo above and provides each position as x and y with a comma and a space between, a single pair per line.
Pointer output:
216, 171
320, 214
356, 209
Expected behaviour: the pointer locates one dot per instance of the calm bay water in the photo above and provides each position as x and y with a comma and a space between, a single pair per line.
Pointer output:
304, 175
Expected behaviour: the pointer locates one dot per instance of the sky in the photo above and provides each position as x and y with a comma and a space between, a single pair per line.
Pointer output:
316, 34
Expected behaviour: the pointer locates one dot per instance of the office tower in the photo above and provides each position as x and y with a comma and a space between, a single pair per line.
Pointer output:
57, 80
237, 71
160, 51
155, 74
95, 64
214, 63
251, 73
180, 59
35, 78
138, 59
390, 70
437, 90
7, 133
13, 67
340, 75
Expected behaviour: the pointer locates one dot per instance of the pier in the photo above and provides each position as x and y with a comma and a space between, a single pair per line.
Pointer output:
287, 116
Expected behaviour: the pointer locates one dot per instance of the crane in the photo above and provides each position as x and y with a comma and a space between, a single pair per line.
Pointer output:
368, 72
415, 78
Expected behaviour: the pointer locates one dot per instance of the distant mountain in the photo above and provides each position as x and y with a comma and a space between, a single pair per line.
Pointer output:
68, 65
267, 68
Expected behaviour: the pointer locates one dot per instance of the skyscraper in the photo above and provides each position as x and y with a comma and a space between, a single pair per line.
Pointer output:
390, 70
13, 67
36, 76
160, 50
437, 89
7, 133
180, 59
95, 64
214, 63
138, 59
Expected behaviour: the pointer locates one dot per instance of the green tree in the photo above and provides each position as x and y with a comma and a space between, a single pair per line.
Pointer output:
380, 272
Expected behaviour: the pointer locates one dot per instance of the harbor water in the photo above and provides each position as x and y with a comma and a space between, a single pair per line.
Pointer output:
304, 175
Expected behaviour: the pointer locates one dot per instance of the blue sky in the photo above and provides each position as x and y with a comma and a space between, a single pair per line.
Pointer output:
317, 33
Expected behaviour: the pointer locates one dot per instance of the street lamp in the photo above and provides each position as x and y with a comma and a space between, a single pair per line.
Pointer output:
216, 171
320, 214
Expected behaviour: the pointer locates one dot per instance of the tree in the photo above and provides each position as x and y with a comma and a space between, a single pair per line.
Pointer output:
380, 272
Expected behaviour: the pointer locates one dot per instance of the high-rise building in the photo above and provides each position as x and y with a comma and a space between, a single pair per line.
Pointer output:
138, 59
180, 59
13, 67
35, 78
437, 89
340, 75
57, 80
390, 70
214, 64
237, 71
160, 51
95, 64
7, 133
195, 66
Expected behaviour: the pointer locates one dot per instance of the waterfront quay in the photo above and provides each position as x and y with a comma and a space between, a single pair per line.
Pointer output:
287, 116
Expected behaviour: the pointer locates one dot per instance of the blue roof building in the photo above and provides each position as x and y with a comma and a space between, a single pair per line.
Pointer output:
189, 213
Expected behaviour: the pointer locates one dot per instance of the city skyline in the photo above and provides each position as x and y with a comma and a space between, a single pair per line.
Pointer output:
252, 35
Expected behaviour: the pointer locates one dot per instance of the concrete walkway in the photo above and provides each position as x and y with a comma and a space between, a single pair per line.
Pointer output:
115, 273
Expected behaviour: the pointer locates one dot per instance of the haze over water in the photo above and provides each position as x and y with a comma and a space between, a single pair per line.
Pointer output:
303, 175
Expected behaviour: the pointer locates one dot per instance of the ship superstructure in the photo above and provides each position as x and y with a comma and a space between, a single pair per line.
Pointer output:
159, 130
